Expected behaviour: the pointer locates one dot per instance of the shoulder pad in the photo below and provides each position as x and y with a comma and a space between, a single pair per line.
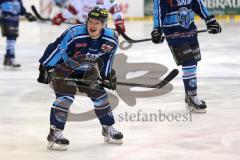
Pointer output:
110, 33
79, 29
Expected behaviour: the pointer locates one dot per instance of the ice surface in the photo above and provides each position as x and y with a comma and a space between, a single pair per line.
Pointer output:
25, 104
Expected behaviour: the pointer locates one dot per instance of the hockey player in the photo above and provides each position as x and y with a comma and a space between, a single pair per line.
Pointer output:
9, 21
78, 9
57, 6
84, 52
177, 16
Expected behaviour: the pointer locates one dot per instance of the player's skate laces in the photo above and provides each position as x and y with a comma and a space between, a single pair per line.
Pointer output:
111, 135
194, 104
56, 141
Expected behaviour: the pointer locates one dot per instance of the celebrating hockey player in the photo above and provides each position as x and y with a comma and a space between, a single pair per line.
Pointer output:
177, 16
9, 21
78, 9
84, 52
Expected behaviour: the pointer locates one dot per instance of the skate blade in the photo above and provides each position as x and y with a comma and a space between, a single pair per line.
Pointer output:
112, 141
55, 146
194, 110
11, 68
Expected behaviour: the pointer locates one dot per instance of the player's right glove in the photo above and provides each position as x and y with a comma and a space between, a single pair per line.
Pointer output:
120, 27
58, 19
111, 79
212, 25
157, 36
45, 75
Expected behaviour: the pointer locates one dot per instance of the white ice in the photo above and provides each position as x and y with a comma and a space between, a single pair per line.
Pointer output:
25, 104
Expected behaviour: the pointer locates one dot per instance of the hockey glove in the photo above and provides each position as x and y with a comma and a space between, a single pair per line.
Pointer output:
212, 25
30, 17
58, 19
157, 36
111, 80
120, 27
45, 75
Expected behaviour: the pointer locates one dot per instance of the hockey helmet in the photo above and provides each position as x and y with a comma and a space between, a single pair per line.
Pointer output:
99, 13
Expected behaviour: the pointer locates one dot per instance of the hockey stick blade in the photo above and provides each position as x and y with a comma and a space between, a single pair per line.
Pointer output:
169, 77
159, 85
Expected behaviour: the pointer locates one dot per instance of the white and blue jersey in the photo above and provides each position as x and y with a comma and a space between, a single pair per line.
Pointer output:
10, 12
75, 42
12, 7
178, 16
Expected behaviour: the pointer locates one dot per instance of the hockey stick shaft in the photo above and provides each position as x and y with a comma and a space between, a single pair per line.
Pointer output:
39, 17
130, 40
159, 85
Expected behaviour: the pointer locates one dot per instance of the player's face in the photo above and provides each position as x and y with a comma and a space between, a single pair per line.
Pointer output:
94, 27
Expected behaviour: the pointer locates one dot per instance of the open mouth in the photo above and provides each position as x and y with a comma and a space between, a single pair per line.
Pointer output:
93, 30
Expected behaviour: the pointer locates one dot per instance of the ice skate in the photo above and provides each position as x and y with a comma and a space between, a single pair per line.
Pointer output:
111, 135
9, 63
56, 141
194, 104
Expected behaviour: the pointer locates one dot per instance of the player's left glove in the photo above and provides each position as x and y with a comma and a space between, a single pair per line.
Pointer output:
212, 25
111, 79
120, 27
157, 36
30, 17
45, 75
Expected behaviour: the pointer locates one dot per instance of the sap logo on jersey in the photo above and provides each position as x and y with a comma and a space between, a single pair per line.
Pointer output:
106, 48
183, 2
80, 45
91, 57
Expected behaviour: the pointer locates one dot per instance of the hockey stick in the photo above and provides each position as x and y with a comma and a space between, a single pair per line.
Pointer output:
130, 40
159, 85
39, 17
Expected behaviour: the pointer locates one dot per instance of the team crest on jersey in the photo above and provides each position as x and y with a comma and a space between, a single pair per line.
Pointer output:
99, 2
193, 83
106, 48
184, 18
61, 117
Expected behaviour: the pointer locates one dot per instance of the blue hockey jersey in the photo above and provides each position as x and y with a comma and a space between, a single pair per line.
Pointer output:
74, 43
13, 7
177, 16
